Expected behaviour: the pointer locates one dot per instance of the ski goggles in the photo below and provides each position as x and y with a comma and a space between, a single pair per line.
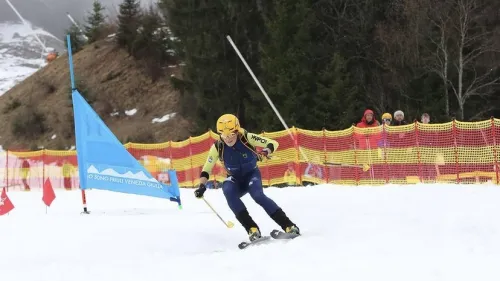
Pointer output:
228, 135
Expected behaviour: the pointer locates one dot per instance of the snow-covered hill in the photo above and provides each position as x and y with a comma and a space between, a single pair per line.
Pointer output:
20, 52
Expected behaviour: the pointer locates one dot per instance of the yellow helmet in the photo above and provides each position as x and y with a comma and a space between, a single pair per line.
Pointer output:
386, 116
227, 124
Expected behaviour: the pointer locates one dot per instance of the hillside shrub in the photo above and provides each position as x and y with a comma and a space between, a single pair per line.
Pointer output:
84, 91
28, 123
48, 87
11, 105
145, 36
141, 135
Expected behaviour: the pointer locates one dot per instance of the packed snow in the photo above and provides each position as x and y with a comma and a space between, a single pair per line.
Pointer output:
421, 232
14, 69
164, 118
131, 112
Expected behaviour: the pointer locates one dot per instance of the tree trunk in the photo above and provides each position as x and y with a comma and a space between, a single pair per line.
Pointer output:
446, 97
445, 83
463, 33
461, 100
461, 111
444, 70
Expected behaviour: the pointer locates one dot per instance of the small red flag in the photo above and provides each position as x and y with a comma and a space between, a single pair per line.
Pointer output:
48, 193
5, 203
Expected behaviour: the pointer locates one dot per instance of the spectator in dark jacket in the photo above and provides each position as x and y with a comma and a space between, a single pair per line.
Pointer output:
399, 117
386, 120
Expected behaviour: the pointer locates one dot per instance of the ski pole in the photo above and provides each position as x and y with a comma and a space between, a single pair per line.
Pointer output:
229, 224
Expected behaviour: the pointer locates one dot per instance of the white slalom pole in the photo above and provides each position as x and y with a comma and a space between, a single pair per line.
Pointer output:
264, 93
77, 26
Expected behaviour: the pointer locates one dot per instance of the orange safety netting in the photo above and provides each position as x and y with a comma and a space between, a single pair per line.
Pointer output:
453, 152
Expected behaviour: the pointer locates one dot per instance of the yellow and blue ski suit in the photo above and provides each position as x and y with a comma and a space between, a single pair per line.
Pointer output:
243, 174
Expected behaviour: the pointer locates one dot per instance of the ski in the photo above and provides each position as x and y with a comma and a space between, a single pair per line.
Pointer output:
278, 234
275, 234
245, 244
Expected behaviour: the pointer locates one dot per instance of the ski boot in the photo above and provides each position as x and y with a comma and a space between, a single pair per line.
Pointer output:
254, 234
249, 224
292, 229
286, 224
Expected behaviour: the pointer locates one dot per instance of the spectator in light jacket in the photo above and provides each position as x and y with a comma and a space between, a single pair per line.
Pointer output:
399, 117
426, 119
428, 172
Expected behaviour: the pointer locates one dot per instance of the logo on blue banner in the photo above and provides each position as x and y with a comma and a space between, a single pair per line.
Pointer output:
104, 163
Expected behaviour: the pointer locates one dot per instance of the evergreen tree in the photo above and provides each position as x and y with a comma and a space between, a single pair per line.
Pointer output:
304, 77
214, 79
324, 62
152, 44
347, 31
95, 22
128, 23
77, 39
337, 101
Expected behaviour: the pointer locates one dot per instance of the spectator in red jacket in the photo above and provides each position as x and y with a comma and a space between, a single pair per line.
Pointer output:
368, 120
367, 139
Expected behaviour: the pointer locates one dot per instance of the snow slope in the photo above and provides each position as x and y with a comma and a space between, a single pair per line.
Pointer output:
432, 232
20, 53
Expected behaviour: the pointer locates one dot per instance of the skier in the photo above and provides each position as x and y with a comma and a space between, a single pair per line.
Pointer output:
237, 153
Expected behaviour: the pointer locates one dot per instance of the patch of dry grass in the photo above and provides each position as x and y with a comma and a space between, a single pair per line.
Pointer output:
111, 80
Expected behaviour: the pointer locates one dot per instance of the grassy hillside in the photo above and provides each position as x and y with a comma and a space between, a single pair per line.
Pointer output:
40, 107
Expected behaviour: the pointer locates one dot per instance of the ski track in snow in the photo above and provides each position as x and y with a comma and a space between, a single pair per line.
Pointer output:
422, 232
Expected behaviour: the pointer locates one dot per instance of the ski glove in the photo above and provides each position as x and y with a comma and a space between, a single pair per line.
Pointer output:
265, 152
198, 193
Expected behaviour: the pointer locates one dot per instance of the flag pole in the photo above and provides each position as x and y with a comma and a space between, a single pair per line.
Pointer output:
73, 88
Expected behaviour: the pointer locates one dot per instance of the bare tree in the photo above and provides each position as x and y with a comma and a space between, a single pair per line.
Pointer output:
435, 55
450, 38
476, 62
460, 47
